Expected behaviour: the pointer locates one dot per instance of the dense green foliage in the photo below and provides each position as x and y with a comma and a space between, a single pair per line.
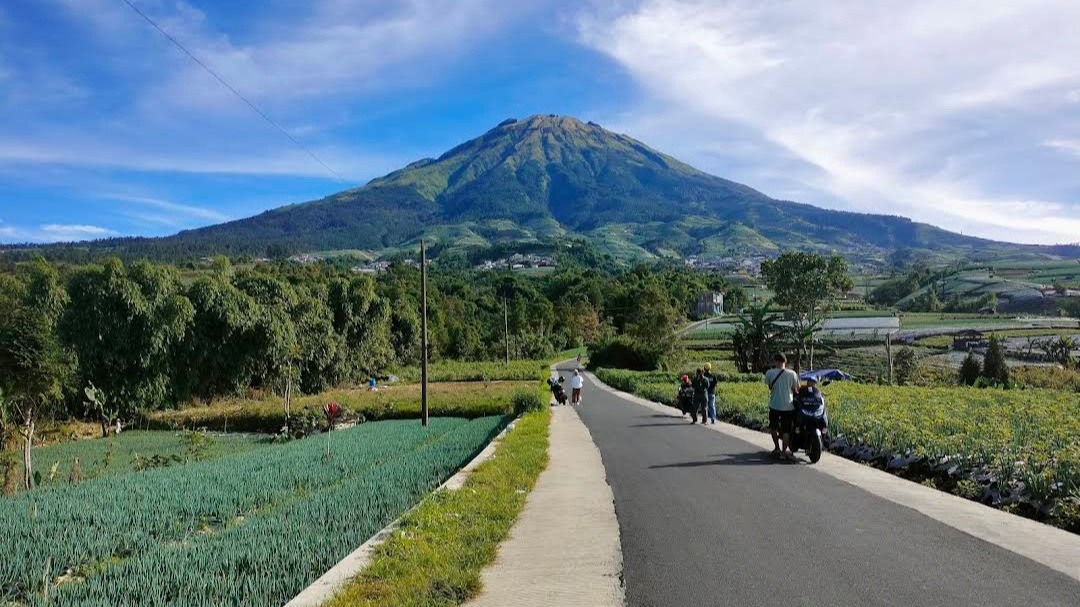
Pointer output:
543, 179
150, 336
436, 557
994, 367
251, 529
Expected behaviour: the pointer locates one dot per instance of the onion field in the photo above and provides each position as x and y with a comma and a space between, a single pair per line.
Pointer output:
249, 530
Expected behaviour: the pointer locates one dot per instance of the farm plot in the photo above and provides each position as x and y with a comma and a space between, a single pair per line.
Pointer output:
453, 399
122, 453
251, 529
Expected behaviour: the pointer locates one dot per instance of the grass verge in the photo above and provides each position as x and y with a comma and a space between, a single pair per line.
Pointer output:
436, 557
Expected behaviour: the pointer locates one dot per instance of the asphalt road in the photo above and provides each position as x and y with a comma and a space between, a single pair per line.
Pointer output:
708, 519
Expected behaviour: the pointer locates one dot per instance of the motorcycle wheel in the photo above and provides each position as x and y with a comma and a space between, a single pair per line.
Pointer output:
815, 447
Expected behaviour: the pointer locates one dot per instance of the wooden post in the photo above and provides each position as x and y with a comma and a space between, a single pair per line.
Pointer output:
888, 354
423, 335
506, 329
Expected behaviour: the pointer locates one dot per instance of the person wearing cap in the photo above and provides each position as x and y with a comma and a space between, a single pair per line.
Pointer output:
783, 386
710, 393
685, 397
577, 382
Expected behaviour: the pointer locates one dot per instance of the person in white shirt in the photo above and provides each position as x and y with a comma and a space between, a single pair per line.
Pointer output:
577, 382
783, 386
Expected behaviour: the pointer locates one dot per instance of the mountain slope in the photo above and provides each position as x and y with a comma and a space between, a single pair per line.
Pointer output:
549, 176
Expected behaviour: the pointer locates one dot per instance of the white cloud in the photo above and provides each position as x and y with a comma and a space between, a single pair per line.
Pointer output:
1065, 145
79, 150
185, 210
309, 68
69, 230
929, 109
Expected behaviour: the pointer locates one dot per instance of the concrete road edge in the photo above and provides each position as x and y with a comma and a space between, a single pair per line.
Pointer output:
1049, 546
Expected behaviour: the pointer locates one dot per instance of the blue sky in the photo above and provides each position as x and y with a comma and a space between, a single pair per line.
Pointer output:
964, 114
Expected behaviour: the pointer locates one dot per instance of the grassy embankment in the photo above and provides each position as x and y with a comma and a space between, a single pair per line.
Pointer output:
437, 555
1014, 448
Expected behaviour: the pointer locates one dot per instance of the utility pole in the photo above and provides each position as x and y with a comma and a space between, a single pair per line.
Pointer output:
423, 335
506, 329
888, 354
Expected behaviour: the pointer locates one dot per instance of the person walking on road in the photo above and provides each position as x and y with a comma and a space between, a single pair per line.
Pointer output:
711, 397
701, 396
577, 382
783, 386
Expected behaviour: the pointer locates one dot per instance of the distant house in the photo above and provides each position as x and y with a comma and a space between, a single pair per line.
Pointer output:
968, 339
709, 303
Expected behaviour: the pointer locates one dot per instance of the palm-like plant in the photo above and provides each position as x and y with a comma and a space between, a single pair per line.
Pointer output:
758, 336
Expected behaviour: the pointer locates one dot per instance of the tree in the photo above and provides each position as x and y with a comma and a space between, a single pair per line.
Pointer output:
126, 325
805, 284
994, 366
757, 339
735, 299
34, 367
970, 369
905, 365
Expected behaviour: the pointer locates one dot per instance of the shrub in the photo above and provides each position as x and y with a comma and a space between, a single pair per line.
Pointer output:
905, 365
624, 352
994, 366
526, 401
970, 370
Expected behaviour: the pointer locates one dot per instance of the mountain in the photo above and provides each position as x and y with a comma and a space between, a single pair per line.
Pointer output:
549, 177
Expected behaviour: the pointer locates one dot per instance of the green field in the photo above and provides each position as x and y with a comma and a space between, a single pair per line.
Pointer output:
398, 401
246, 529
119, 454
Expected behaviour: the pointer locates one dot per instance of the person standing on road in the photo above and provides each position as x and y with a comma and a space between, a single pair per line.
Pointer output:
701, 396
577, 382
684, 398
711, 404
783, 386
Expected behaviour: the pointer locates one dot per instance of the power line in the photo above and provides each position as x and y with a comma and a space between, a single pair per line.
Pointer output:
233, 90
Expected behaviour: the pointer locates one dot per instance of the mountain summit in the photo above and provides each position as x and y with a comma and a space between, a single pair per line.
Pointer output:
550, 176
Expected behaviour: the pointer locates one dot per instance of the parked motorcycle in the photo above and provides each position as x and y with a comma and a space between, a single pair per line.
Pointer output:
811, 422
557, 390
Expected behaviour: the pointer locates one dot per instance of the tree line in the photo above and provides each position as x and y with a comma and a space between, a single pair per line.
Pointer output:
107, 340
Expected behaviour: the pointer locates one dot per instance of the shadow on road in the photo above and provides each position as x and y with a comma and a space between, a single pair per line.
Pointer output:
762, 458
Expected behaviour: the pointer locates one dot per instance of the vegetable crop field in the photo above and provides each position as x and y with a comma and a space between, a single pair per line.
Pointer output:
118, 454
1024, 441
250, 529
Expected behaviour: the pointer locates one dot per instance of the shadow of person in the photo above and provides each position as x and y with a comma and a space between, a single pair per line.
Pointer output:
759, 458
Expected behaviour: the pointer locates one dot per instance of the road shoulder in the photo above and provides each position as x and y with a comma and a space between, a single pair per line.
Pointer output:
564, 549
